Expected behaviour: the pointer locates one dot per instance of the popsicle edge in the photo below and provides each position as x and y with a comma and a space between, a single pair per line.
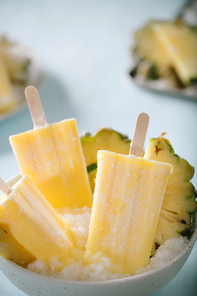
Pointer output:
4, 186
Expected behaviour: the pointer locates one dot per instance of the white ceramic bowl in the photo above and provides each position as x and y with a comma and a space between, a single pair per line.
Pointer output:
139, 285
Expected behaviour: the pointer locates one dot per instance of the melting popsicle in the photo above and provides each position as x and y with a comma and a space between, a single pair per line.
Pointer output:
51, 156
127, 201
29, 218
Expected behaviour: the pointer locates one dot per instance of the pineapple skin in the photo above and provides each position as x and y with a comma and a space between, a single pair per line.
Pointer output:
179, 203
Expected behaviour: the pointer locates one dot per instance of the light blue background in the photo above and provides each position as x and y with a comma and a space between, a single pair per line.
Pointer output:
85, 50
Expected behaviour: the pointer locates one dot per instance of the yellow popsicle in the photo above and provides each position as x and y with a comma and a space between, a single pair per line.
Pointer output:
51, 156
12, 250
7, 99
127, 201
29, 218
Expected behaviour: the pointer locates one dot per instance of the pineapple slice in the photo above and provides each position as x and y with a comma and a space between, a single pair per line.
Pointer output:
178, 204
180, 43
16, 59
7, 99
149, 47
12, 250
102, 139
166, 50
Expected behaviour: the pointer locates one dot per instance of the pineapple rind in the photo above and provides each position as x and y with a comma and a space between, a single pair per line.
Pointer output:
179, 203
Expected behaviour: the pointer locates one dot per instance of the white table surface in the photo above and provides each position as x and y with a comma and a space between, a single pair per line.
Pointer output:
85, 50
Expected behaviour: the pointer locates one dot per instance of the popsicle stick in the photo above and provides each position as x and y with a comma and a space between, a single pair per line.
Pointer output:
4, 186
35, 107
139, 135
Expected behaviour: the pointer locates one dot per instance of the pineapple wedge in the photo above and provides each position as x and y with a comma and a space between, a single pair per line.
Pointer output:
178, 203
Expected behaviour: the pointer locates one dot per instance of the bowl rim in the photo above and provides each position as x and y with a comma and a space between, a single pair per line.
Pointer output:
188, 248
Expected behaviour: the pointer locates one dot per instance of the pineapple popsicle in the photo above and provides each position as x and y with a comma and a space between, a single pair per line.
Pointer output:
7, 99
29, 218
51, 156
127, 201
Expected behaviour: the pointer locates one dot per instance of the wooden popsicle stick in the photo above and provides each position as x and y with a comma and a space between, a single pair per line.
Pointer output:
137, 143
35, 107
4, 186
